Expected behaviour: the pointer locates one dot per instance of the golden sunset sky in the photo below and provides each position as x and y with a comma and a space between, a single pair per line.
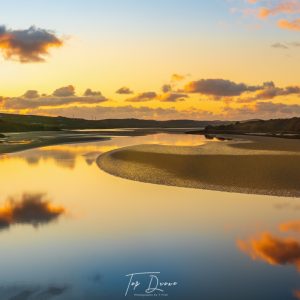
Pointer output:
158, 59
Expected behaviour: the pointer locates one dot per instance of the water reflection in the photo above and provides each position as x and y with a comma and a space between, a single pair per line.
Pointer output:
275, 249
297, 294
66, 155
120, 226
19, 292
33, 209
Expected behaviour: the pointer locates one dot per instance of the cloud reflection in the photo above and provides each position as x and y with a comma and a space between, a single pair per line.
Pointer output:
32, 292
290, 226
297, 294
273, 250
33, 209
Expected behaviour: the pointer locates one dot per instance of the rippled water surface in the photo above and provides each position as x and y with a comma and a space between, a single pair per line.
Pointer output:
70, 231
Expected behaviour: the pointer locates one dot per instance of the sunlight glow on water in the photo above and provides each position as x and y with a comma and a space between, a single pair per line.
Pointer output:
89, 229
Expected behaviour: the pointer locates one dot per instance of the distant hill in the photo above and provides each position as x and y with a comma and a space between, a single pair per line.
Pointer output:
274, 126
18, 123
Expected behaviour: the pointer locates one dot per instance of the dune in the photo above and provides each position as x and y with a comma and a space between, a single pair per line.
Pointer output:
255, 165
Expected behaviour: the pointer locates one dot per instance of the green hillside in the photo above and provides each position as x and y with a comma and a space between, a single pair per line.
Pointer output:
19, 123
274, 126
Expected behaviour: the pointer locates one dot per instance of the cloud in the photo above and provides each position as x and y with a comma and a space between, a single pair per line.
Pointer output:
165, 97
31, 94
277, 10
280, 109
262, 110
121, 112
143, 97
178, 77
172, 97
32, 209
289, 25
166, 88
29, 45
273, 250
237, 101
124, 91
92, 93
279, 46
284, 7
295, 44
285, 45
62, 96
65, 91
270, 91
23, 103
218, 87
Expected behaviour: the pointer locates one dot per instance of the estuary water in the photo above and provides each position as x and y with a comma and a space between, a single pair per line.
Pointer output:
68, 230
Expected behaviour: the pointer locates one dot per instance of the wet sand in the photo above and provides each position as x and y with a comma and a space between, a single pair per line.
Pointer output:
256, 165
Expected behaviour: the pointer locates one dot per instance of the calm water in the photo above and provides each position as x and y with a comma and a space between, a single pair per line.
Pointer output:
70, 231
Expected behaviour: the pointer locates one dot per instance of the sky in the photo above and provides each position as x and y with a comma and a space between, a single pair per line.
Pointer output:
152, 59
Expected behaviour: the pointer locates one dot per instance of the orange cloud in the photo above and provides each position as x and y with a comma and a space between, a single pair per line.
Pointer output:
279, 8
264, 12
289, 25
273, 250
29, 45
286, 7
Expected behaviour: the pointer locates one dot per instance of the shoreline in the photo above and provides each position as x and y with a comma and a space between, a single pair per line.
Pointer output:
21, 141
239, 166
16, 142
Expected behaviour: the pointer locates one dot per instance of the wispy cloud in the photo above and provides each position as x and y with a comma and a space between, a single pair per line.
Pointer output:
172, 97
279, 46
178, 77
285, 12
283, 7
262, 110
129, 111
289, 25
143, 97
